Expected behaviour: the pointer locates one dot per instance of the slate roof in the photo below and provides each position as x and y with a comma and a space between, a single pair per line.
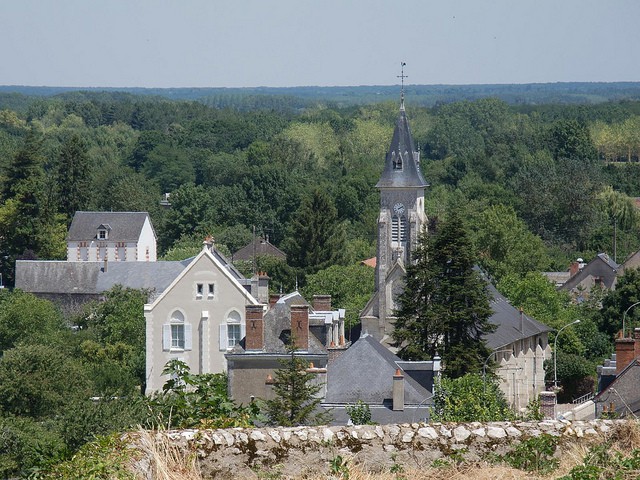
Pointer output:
365, 372
401, 145
260, 247
125, 226
62, 277
508, 319
227, 264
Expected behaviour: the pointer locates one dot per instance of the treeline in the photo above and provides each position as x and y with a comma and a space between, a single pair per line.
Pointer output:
245, 99
228, 171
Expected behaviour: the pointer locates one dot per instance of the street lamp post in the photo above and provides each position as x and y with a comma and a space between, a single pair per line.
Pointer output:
624, 317
484, 367
555, 353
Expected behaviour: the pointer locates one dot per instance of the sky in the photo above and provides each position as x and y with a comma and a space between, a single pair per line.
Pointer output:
284, 43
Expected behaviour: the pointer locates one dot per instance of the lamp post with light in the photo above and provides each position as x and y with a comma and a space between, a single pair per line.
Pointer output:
555, 353
624, 317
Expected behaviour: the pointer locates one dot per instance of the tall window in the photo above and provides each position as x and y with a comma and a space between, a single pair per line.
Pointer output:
176, 335
233, 334
231, 331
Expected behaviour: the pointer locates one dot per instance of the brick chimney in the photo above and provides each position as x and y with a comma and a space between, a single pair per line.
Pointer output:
573, 269
254, 339
625, 353
300, 326
398, 390
322, 303
273, 298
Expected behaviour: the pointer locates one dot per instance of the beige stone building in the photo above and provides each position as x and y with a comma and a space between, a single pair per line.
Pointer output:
199, 317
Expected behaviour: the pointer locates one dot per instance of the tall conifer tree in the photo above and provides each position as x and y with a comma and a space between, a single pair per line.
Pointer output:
317, 238
444, 308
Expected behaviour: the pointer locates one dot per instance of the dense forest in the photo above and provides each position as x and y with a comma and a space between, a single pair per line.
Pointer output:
536, 186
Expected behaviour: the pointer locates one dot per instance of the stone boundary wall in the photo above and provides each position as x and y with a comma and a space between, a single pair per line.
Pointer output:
307, 451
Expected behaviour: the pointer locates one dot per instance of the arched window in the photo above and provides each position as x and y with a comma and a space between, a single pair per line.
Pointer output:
232, 330
176, 335
177, 330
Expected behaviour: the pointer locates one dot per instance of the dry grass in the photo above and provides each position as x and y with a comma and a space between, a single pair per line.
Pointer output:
161, 459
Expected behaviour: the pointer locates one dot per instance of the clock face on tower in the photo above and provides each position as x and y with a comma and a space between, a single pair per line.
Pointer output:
398, 209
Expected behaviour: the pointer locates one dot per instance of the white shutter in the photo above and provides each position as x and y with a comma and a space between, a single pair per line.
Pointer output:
166, 337
187, 337
223, 336
243, 331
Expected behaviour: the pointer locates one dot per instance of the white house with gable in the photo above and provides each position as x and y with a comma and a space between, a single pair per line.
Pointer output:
112, 236
199, 317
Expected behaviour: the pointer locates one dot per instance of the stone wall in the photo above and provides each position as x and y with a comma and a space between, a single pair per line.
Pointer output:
308, 451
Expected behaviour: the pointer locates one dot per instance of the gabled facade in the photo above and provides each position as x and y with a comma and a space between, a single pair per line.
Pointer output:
401, 220
111, 236
198, 318
601, 272
259, 247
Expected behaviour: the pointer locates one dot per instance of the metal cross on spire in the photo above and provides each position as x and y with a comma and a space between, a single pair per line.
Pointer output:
402, 76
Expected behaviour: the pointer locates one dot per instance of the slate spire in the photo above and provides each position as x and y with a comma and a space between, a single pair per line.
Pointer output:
402, 164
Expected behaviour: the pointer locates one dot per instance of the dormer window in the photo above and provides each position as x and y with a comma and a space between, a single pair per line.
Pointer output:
103, 232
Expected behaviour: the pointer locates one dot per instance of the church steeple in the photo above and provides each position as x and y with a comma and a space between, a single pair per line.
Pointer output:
402, 164
401, 220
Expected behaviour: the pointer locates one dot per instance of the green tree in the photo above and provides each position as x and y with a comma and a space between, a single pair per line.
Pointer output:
38, 380
73, 176
25, 318
621, 210
188, 214
444, 307
26, 444
506, 245
296, 399
119, 319
469, 398
189, 400
316, 239
617, 302
350, 288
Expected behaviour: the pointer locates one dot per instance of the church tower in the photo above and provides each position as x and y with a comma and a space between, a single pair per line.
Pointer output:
401, 219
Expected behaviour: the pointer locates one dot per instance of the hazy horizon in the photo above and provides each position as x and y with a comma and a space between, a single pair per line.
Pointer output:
306, 43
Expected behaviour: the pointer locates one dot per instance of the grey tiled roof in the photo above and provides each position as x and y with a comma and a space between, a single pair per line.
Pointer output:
365, 372
402, 144
508, 319
90, 277
259, 246
125, 226
228, 265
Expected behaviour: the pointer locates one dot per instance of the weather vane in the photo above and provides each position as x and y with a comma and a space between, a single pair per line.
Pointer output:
402, 76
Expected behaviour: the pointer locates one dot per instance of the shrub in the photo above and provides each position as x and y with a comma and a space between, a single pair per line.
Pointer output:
360, 413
